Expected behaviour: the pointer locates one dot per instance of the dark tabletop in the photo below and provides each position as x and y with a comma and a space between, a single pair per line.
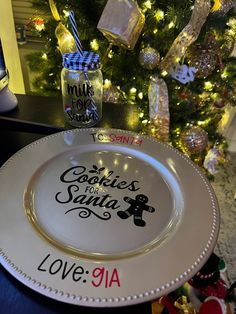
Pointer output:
44, 115
34, 118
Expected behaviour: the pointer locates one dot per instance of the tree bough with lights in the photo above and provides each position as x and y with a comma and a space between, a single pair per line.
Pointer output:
173, 59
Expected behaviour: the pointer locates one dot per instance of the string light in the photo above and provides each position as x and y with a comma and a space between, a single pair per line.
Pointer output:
107, 83
164, 73
215, 96
110, 54
94, 44
208, 86
232, 23
133, 90
204, 123
147, 5
177, 131
224, 75
141, 115
140, 95
44, 56
159, 15
66, 13
171, 25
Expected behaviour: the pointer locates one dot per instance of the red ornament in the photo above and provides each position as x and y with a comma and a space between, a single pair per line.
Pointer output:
219, 104
217, 289
38, 21
167, 302
213, 305
183, 95
226, 92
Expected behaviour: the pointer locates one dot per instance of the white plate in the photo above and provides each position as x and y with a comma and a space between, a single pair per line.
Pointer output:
104, 217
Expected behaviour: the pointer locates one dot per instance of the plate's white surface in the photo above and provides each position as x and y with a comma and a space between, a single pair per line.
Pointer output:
104, 217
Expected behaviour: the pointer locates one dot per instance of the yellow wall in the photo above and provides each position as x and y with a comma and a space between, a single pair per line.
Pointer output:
10, 47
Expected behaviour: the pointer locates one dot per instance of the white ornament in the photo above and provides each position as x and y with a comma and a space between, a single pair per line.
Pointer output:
212, 160
183, 73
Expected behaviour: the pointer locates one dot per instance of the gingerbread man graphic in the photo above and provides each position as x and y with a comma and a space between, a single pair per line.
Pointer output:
136, 208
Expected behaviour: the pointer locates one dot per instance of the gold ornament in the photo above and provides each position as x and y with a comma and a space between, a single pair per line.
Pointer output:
66, 41
149, 58
183, 305
195, 140
157, 308
216, 6
187, 36
159, 109
121, 22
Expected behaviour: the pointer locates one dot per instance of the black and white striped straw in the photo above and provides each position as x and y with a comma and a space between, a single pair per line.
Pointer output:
75, 32
92, 108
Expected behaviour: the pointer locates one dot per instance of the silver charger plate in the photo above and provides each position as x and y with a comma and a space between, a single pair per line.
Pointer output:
104, 217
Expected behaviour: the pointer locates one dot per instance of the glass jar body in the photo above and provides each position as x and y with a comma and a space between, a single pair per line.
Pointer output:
82, 96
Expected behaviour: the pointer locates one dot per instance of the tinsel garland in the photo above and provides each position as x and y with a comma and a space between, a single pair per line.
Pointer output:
187, 36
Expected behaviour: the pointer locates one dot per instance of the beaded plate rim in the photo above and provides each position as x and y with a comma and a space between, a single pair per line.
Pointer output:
57, 294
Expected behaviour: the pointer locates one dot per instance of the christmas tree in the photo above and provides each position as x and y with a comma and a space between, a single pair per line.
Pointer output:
173, 59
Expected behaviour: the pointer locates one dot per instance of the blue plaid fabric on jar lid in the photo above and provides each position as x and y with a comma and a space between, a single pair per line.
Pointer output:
75, 61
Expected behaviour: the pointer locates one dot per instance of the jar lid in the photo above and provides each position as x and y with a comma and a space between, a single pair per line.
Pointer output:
74, 61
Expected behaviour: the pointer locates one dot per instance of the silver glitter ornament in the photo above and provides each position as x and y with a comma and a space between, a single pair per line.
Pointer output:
149, 58
204, 62
226, 6
195, 140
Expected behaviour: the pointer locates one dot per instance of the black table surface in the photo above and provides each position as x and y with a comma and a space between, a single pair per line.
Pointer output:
34, 118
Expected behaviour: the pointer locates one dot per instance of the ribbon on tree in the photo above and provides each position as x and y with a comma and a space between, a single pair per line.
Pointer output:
54, 10
122, 22
65, 40
187, 36
159, 108
127, 2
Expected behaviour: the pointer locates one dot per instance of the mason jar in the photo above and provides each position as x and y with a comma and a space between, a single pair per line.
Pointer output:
82, 88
